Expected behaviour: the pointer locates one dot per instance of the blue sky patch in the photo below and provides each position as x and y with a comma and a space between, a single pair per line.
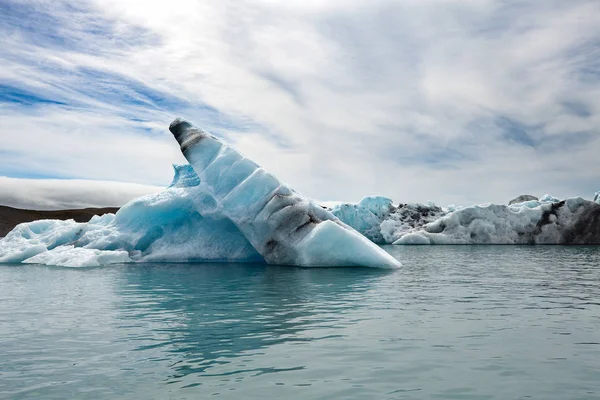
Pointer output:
67, 26
15, 95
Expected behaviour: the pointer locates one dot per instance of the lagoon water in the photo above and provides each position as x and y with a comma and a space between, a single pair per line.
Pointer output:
456, 322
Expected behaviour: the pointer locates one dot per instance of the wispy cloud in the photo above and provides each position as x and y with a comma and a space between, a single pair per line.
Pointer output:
445, 100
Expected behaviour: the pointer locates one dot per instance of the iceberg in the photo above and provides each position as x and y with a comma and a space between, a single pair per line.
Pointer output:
366, 216
379, 220
572, 221
220, 207
545, 221
282, 225
223, 207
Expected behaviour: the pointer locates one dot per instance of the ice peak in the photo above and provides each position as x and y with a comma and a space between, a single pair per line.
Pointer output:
185, 133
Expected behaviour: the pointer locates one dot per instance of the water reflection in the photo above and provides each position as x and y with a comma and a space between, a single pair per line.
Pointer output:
202, 316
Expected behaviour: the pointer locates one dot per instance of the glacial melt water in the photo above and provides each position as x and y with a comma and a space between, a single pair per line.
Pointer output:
470, 322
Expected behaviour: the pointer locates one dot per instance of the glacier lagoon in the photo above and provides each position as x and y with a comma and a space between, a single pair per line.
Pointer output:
455, 322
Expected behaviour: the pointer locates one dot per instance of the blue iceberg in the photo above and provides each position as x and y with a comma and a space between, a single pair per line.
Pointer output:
220, 207
282, 225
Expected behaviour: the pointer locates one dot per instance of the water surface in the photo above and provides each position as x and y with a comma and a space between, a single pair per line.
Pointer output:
456, 322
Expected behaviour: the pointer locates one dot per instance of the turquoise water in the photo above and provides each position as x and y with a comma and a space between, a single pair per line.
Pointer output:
456, 322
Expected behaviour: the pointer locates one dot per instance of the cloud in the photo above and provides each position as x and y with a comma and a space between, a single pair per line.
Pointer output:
452, 101
60, 194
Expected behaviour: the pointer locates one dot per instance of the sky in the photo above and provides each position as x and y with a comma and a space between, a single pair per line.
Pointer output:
452, 101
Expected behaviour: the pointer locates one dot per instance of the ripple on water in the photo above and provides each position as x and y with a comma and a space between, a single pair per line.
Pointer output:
456, 322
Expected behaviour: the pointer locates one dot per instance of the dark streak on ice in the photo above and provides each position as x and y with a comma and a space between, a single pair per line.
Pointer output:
186, 134
586, 230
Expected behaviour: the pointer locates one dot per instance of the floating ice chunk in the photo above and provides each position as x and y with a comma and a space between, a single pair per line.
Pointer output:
282, 225
380, 221
597, 197
70, 256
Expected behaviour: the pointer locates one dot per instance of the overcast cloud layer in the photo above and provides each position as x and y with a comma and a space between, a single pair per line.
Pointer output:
453, 101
